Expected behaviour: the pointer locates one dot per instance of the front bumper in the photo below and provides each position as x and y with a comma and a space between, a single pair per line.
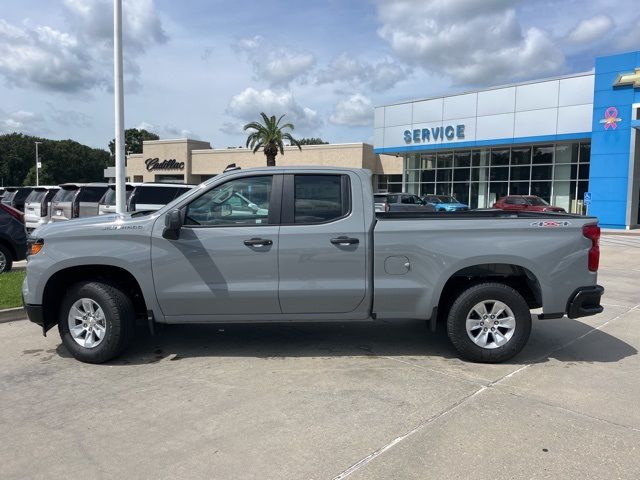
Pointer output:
585, 301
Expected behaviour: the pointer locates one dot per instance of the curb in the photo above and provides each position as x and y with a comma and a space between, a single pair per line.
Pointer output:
12, 314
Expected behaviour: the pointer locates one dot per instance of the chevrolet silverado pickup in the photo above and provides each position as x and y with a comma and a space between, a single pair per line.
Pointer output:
304, 244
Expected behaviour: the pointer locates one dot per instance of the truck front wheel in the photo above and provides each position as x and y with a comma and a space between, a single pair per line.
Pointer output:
489, 323
97, 321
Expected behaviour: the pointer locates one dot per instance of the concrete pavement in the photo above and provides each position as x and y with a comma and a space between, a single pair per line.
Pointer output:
361, 401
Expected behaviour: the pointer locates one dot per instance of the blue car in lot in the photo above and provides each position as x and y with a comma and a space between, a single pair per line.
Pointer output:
444, 203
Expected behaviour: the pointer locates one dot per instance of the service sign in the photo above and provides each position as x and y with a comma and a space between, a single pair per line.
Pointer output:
445, 133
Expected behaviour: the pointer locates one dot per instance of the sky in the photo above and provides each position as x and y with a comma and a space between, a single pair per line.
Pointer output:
204, 68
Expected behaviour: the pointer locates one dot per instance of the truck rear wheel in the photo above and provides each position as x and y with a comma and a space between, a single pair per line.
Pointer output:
489, 323
97, 321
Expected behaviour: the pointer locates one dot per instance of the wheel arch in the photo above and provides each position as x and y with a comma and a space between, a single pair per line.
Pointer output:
517, 276
57, 285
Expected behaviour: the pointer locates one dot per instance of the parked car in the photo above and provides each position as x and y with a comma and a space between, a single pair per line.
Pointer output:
445, 203
15, 197
37, 206
153, 196
13, 237
107, 203
526, 203
400, 202
77, 200
313, 251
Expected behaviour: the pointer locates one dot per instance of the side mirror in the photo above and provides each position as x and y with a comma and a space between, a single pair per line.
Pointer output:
172, 225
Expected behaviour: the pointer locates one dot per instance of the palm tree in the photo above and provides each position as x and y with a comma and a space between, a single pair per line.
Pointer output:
269, 137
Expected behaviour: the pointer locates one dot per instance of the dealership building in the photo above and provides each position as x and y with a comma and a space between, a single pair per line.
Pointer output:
572, 140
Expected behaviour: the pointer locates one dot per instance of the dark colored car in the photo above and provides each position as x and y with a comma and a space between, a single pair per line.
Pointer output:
13, 237
400, 202
526, 203
15, 197
445, 203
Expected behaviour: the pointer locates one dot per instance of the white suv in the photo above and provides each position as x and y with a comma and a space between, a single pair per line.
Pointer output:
154, 196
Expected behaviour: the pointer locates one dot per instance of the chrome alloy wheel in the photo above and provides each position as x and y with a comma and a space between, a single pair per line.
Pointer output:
490, 324
87, 324
3, 262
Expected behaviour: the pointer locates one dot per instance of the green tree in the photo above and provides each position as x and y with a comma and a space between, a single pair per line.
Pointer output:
312, 141
62, 161
269, 136
133, 139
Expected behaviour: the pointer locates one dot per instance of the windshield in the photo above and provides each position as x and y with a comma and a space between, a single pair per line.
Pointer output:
36, 196
536, 201
447, 199
8, 196
64, 195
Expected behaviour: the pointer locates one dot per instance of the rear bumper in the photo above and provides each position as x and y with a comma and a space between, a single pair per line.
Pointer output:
585, 301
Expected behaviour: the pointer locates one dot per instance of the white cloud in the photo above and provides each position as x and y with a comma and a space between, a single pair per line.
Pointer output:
356, 110
276, 66
81, 58
22, 121
470, 41
377, 76
591, 29
247, 105
167, 131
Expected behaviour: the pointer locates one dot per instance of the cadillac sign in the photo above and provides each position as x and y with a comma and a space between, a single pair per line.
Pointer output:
170, 164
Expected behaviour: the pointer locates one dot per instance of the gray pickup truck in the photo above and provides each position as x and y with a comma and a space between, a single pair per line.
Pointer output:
307, 246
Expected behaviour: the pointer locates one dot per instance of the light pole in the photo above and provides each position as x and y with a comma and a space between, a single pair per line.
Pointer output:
119, 105
37, 165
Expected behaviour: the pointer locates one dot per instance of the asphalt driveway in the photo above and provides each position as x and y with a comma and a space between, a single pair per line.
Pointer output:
358, 401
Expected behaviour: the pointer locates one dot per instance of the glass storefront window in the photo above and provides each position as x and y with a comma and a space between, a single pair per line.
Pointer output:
480, 158
543, 172
566, 153
413, 161
520, 173
428, 176
500, 157
558, 173
521, 156
499, 173
543, 154
461, 174
461, 192
462, 159
428, 161
542, 190
519, 188
497, 190
445, 160
443, 189
443, 175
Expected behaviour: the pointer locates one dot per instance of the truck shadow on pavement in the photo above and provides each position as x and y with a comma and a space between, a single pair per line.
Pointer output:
564, 340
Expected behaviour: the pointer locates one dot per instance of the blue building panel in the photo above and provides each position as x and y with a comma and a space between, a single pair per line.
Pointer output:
606, 165
616, 63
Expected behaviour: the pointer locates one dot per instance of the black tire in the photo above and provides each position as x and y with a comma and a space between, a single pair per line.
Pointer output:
8, 259
119, 317
463, 305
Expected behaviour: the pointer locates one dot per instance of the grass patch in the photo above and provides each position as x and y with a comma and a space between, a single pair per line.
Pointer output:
11, 288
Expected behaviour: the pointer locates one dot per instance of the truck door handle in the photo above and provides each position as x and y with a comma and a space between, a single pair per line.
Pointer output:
258, 242
343, 240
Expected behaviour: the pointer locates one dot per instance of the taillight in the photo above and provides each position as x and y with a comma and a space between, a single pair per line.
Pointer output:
44, 207
386, 207
14, 212
75, 209
592, 232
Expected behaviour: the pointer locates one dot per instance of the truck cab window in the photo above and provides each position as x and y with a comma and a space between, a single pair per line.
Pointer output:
319, 198
243, 201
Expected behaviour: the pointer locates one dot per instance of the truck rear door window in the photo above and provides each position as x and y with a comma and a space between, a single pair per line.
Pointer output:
320, 198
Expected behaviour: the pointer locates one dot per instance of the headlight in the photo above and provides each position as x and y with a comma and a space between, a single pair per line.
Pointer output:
35, 246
